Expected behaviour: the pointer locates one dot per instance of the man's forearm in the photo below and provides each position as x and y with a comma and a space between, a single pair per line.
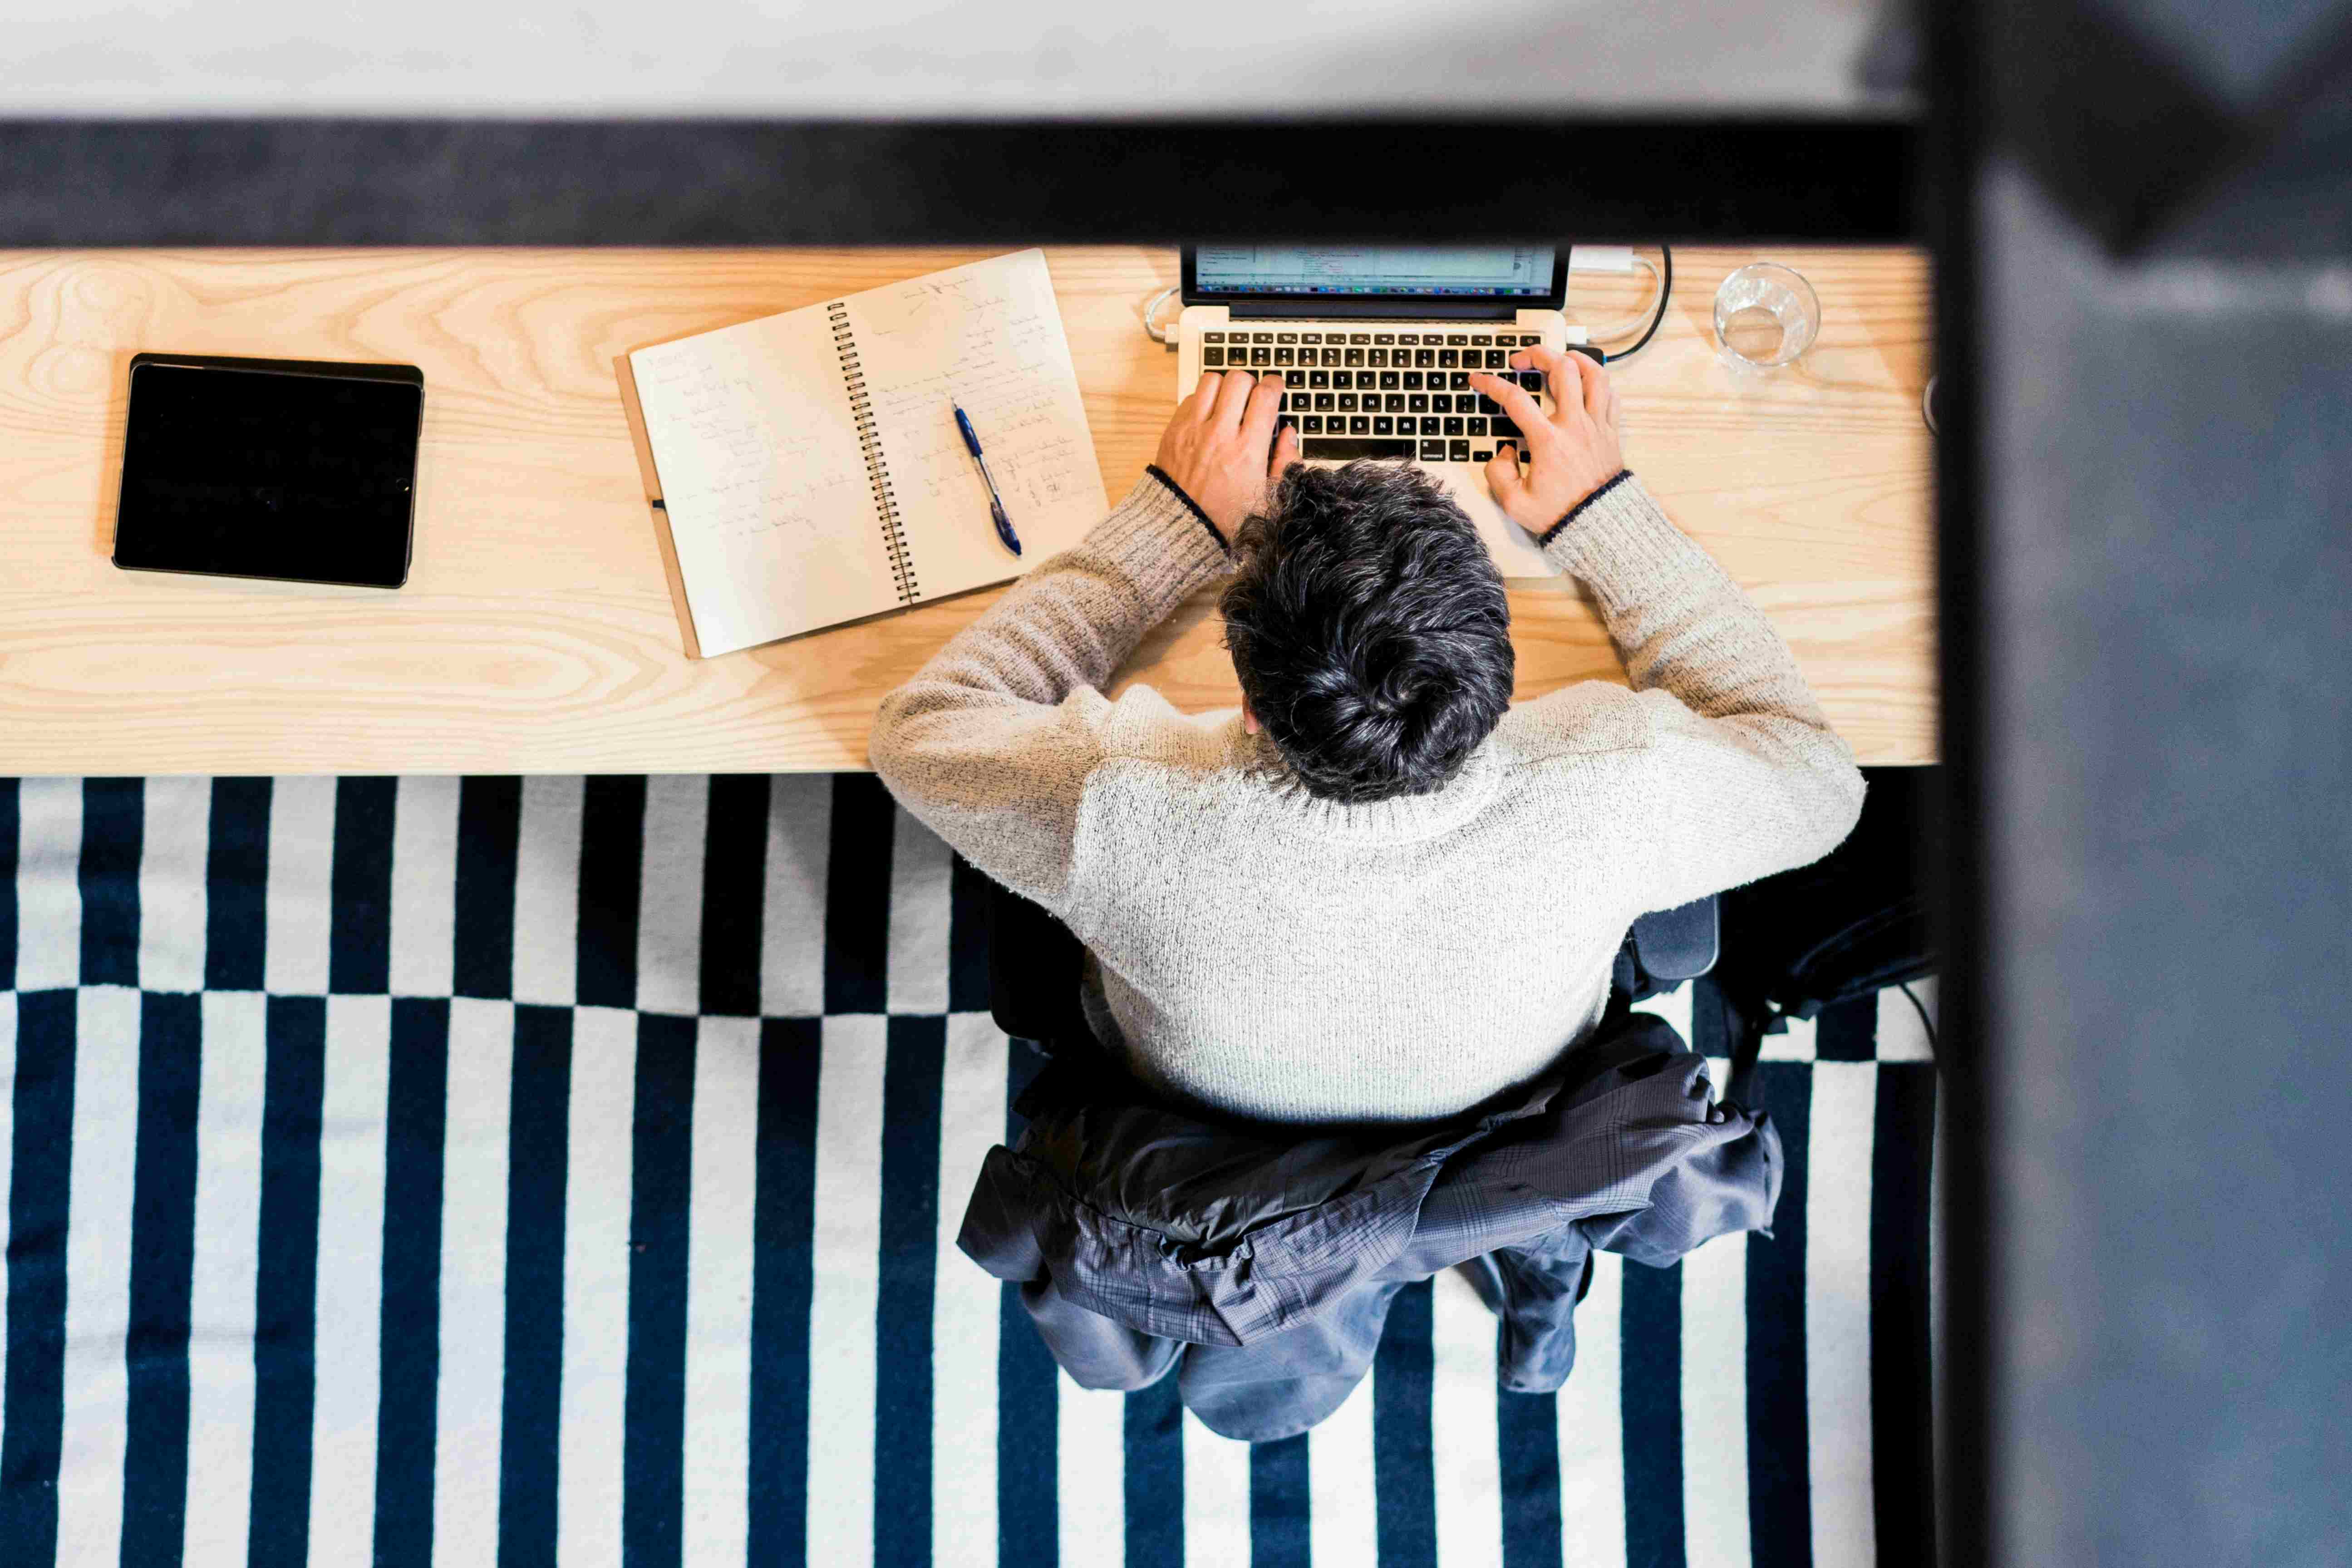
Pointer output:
1677, 617
1076, 619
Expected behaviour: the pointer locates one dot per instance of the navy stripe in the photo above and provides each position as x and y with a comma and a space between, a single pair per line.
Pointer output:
857, 896
968, 989
10, 831
489, 832
237, 885
611, 865
1902, 1386
1028, 1397
1526, 1429
1154, 1440
912, 1079
539, 1143
1650, 1403
416, 1117
734, 887
286, 1289
1847, 1031
33, 1403
653, 1429
1780, 1476
113, 828
1405, 1476
784, 1225
162, 1274
1278, 1534
359, 949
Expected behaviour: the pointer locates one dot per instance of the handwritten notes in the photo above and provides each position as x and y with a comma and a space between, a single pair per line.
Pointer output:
987, 337
771, 508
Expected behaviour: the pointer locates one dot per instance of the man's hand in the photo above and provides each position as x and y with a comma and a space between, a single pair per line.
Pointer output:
1222, 449
1570, 453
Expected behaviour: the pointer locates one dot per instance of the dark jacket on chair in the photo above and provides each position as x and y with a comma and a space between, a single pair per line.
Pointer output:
1263, 1259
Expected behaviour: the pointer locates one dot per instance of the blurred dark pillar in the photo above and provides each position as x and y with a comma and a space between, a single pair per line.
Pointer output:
2146, 278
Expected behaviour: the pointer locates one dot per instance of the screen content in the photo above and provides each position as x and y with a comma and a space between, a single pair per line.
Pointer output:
1373, 269
255, 474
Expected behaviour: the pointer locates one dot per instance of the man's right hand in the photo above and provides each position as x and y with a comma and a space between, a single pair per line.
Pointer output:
1572, 452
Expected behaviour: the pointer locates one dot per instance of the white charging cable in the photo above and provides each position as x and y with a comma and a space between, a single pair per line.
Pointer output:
1167, 338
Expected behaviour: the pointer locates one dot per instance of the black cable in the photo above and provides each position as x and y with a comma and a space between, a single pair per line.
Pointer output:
1925, 1023
1665, 292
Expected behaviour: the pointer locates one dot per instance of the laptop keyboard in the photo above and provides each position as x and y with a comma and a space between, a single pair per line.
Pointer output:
1394, 393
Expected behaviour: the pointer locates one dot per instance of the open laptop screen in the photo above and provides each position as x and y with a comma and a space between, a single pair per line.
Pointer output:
1530, 274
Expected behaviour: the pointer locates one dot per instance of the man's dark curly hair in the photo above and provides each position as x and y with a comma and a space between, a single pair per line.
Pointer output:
1369, 630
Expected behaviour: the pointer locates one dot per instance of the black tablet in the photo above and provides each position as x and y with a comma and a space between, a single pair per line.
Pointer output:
253, 468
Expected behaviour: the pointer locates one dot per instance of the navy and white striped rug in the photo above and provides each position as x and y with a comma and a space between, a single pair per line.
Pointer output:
562, 1172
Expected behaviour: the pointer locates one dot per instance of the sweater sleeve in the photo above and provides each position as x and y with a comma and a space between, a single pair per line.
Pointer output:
1738, 773
990, 744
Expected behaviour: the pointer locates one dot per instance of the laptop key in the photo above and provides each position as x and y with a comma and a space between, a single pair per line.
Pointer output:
1395, 403
1323, 402
1497, 359
1460, 380
1457, 451
1376, 358
1478, 427
1417, 401
1454, 426
1447, 359
1388, 381
1383, 425
1212, 359
1479, 340
1384, 339
1213, 337
1284, 356
1359, 425
1344, 448
1360, 337
1286, 337
1412, 379
1319, 378
1311, 424
1261, 356
1433, 451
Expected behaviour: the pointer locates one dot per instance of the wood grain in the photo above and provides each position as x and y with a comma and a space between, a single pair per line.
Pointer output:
537, 631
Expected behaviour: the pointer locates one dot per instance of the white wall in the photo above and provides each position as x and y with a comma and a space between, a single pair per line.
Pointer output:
892, 57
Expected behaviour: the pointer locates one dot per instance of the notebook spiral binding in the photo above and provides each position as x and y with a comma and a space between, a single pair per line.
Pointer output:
861, 409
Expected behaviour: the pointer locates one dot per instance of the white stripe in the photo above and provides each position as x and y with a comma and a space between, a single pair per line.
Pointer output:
49, 884
350, 1273
1837, 1312
1715, 1402
792, 934
848, 1243
7, 1171
1796, 1046
1090, 1472
1593, 1428
1674, 1007
547, 892
717, 1523
1902, 1038
302, 885
598, 1171
176, 832
470, 1396
1216, 1497
1942, 1408
1342, 1521
221, 1293
669, 917
1462, 1421
965, 1300
98, 1275
424, 886
920, 910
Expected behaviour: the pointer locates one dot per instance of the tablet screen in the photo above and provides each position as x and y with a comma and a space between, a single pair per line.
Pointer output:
305, 474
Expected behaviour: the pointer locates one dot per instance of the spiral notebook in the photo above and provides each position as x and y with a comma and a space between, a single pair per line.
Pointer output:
809, 464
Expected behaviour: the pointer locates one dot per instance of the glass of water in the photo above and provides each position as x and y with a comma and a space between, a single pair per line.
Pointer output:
1765, 315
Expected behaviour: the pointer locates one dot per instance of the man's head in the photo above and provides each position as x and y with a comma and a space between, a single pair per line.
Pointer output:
1369, 630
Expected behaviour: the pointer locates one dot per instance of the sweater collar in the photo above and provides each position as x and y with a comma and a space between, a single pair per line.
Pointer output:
1400, 819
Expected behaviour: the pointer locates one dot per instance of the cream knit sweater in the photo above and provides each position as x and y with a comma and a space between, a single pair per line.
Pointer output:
1267, 954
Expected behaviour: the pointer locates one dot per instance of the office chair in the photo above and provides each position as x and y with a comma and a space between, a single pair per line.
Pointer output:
1033, 963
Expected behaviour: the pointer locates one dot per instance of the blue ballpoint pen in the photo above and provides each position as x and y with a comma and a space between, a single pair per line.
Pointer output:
995, 502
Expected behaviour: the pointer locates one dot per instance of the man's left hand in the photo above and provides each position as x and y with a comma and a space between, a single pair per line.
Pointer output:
1222, 449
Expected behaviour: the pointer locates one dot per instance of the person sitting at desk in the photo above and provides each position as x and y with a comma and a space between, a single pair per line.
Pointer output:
1378, 892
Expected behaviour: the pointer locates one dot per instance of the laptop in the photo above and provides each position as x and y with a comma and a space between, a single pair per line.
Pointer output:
1375, 344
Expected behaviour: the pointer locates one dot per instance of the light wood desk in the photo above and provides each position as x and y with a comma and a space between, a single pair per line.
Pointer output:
536, 632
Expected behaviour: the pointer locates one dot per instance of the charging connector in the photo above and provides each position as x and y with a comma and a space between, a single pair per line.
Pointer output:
1600, 258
